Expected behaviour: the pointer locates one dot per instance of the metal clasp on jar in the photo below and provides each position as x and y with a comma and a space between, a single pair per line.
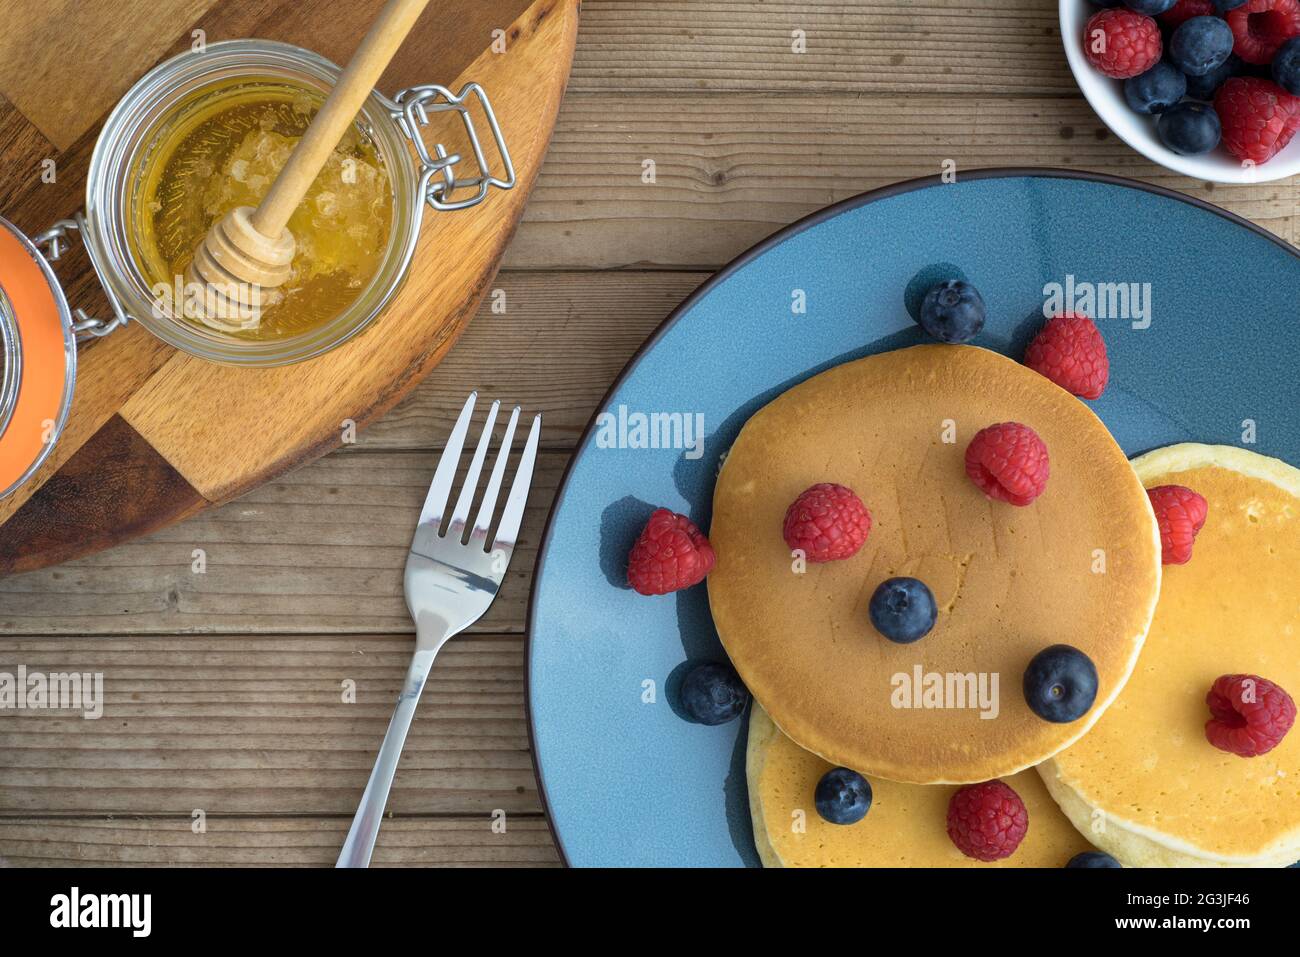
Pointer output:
438, 181
53, 242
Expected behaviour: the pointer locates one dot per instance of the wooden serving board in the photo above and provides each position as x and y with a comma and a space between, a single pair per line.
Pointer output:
154, 435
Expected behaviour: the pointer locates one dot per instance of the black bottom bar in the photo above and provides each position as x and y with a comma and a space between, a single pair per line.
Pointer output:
271, 906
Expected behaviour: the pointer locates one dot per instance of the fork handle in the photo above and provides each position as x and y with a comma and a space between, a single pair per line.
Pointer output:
360, 843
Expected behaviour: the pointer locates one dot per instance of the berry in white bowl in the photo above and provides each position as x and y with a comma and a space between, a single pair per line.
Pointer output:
1205, 88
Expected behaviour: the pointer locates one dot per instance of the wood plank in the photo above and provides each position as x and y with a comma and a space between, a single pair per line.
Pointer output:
24, 148
561, 341
853, 46
461, 841
731, 169
46, 46
33, 203
115, 484
319, 551
235, 725
271, 420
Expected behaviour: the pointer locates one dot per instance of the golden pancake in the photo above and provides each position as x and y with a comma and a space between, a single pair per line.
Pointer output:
906, 826
1145, 783
1079, 566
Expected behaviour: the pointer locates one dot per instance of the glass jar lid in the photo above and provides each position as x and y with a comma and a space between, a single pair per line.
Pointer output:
40, 358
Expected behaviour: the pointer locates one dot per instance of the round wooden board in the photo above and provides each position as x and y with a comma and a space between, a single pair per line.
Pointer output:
155, 435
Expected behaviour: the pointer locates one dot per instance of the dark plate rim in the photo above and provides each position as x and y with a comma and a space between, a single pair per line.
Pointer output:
781, 235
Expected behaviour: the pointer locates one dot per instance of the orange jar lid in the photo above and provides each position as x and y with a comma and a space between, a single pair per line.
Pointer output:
40, 358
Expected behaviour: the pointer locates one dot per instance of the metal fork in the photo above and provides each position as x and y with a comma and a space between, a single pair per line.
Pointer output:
449, 584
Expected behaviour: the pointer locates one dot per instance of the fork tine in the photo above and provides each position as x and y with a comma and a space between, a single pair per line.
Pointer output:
485, 509
435, 503
508, 530
460, 515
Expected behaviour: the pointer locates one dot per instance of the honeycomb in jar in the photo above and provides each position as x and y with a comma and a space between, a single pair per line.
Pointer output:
227, 155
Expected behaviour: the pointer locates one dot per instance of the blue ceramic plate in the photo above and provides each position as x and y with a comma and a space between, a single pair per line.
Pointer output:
1205, 341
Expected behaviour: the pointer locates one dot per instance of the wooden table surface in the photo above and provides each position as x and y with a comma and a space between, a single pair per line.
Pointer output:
224, 690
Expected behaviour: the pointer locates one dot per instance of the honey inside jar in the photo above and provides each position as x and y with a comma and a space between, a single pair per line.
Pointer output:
222, 148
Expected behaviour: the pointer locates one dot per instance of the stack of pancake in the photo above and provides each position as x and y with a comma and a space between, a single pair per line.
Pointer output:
1079, 566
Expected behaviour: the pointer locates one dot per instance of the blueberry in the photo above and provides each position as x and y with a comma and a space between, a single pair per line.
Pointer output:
903, 610
1060, 684
1204, 87
1223, 6
842, 796
713, 693
1149, 7
1155, 90
1093, 859
952, 311
1189, 128
1286, 66
1200, 44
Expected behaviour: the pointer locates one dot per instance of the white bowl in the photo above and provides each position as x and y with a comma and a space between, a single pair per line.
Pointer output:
1106, 96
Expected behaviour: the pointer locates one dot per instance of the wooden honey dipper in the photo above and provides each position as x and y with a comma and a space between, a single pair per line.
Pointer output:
249, 251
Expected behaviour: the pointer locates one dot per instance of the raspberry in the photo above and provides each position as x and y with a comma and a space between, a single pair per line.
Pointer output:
1251, 715
670, 555
1121, 43
1184, 10
827, 522
1069, 350
987, 821
1258, 117
1180, 513
1259, 27
1008, 462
